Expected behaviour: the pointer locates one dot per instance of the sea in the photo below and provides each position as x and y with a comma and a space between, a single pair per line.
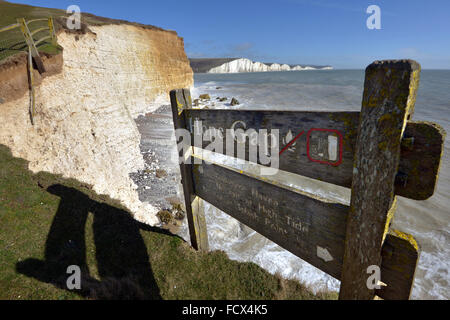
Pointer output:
336, 90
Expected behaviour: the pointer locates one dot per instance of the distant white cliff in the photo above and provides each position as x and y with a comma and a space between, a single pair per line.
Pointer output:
246, 65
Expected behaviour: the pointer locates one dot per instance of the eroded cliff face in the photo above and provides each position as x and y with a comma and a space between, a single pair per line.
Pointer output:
84, 126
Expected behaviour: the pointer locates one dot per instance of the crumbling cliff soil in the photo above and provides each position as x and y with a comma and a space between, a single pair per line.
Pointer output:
14, 77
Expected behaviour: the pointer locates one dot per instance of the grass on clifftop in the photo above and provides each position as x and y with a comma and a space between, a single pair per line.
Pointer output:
11, 11
48, 223
11, 42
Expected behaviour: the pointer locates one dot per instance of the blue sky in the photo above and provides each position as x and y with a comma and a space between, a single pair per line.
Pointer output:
293, 31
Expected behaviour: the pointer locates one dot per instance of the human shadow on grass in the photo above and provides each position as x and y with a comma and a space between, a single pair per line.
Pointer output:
122, 259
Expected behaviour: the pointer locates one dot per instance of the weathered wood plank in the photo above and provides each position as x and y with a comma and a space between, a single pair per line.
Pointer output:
300, 224
11, 26
38, 30
290, 124
295, 221
428, 144
422, 147
51, 27
199, 221
181, 100
390, 91
400, 256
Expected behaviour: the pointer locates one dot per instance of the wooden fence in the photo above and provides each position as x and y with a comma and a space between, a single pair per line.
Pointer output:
27, 36
378, 152
28, 40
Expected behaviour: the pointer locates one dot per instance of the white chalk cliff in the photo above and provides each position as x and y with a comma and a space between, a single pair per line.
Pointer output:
246, 65
84, 127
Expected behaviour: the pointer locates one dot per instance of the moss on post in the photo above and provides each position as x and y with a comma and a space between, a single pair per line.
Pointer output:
390, 91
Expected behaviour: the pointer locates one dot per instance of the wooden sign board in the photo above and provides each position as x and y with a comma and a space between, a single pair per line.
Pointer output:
378, 152
312, 155
311, 228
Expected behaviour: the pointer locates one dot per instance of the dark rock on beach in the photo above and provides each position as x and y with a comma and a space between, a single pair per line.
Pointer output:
160, 173
165, 216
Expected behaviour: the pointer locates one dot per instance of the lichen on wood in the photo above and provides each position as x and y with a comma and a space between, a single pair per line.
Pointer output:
390, 91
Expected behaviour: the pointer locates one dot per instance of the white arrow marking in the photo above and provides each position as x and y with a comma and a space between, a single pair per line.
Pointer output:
381, 284
323, 254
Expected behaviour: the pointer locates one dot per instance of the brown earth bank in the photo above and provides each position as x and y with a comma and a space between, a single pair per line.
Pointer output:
14, 76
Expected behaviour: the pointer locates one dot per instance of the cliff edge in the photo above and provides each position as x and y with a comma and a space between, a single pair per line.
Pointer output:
85, 109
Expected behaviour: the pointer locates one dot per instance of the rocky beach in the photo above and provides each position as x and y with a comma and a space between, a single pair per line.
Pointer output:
159, 183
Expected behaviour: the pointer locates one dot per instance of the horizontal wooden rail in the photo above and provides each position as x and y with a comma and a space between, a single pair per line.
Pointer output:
39, 30
35, 20
42, 39
10, 27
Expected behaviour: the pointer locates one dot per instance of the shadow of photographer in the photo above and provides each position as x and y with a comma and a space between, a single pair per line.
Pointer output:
122, 259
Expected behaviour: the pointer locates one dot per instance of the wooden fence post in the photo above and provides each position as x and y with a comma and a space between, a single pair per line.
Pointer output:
32, 92
30, 42
51, 27
181, 100
390, 91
